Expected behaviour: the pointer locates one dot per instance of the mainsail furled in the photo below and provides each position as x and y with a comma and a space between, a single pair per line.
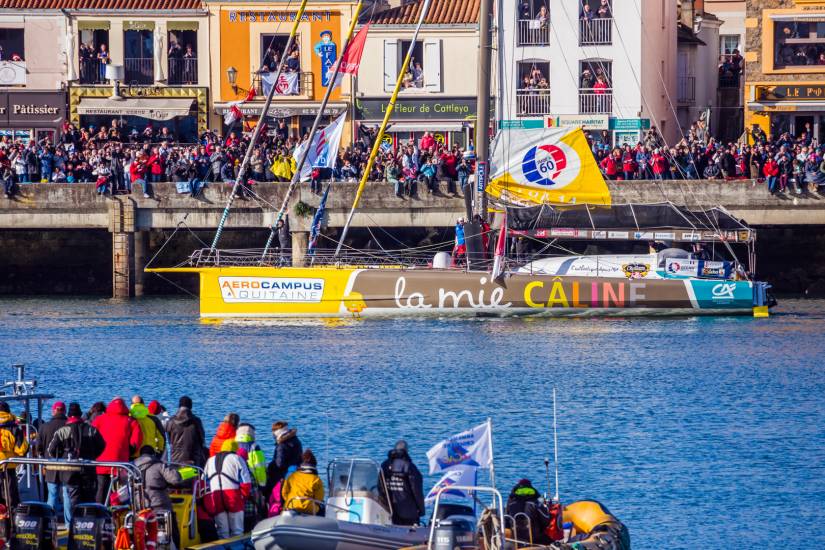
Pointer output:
548, 166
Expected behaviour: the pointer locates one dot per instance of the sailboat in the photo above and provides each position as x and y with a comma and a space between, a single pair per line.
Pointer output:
546, 185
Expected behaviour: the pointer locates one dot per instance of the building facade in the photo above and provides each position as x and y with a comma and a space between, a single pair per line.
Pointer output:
32, 71
728, 121
439, 89
785, 67
599, 64
697, 64
248, 40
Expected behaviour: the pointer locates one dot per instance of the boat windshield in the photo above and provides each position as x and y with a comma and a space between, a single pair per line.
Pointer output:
356, 478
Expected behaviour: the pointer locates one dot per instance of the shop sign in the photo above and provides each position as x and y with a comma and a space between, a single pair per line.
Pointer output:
790, 93
520, 124
629, 138
589, 122
32, 107
283, 111
481, 176
274, 16
629, 124
407, 108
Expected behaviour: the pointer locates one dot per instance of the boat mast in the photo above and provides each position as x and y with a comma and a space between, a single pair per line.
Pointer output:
382, 129
257, 131
482, 130
296, 177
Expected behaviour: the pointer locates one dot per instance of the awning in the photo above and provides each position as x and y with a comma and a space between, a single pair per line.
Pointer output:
155, 109
816, 106
173, 25
425, 127
93, 24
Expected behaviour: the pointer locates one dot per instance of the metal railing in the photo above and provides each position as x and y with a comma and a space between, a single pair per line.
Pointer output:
533, 102
686, 92
595, 102
183, 70
92, 71
532, 32
596, 31
728, 81
140, 70
305, 85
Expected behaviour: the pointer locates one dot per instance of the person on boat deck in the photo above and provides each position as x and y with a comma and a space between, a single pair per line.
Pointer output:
230, 484
44, 437
13, 444
288, 452
226, 431
150, 427
186, 435
460, 248
250, 451
121, 434
284, 242
76, 440
524, 499
304, 484
405, 485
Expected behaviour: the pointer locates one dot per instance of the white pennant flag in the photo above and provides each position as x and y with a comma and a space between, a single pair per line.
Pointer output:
287, 83
324, 147
462, 476
473, 447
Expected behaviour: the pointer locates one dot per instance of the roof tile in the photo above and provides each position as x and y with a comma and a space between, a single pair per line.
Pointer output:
442, 12
154, 5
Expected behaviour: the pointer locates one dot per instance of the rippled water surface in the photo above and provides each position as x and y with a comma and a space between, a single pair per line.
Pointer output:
691, 430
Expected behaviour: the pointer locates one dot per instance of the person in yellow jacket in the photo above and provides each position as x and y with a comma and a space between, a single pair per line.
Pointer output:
283, 166
150, 427
13, 443
302, 484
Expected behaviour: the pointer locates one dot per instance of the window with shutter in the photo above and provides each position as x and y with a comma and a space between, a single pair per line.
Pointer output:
391, 62
432, 65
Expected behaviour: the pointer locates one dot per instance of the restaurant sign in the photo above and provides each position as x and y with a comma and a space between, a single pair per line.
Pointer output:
790, 93
408, 108
32, 107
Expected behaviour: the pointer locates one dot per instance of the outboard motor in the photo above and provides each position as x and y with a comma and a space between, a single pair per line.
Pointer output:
91, 528
455, 533
34, 527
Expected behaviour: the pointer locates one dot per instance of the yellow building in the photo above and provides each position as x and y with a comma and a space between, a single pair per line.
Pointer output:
785, 67
247, 39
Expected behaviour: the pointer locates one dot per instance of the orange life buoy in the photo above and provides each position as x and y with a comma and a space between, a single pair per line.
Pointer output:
122, 541
146, 530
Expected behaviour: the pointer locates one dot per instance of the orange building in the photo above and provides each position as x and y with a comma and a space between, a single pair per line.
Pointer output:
247, 40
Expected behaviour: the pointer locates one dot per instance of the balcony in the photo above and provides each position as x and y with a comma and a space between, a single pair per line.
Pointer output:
139, 70
686, 92
596, 32
729, 81
183, 70
533, 102
305, 86
92, 71
595, 102
12, 73
531, 32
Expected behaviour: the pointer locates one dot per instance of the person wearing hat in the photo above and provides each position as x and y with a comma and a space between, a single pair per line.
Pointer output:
288, 451
76, 440
230, 485
44, 438
13, 444
524, 500
186, 435
405, 485
303, 489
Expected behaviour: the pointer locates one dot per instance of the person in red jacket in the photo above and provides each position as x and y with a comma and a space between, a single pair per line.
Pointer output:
226, 432
611, 164
771, 171
629, 166
137, 173
659, 164
157, 166
122, 435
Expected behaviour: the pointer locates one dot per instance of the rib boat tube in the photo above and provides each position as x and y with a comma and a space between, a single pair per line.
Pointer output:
595, 528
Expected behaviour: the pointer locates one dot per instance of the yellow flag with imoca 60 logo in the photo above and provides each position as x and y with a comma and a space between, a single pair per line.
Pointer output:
551, 165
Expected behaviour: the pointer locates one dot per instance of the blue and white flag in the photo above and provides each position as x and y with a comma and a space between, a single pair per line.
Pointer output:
473, 447
324, 148
315, 228
462, 476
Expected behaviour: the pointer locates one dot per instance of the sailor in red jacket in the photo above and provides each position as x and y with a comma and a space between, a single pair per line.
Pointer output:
122, 435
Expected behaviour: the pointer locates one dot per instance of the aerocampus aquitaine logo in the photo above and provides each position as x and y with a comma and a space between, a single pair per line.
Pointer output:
550, 165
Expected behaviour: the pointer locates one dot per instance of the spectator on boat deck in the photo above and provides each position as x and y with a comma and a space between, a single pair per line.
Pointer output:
230, 484
227, 430
44, 437
122, 435
524, 499
150, 427
460, 248
288, 452
157, 478
13, 444
249, 450
284, 242
405, 485
186, 435
76, 440
302, 485
97, 408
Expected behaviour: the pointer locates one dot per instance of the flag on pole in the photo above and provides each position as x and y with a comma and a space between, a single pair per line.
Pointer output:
498, 261
234, 113
473, 447
324, 148
351, 58
315, 228
287, 83
460, 476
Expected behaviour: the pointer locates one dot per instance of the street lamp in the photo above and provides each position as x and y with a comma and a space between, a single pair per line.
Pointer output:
232, 75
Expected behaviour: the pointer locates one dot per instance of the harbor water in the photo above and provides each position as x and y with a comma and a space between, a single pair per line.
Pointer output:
694, 431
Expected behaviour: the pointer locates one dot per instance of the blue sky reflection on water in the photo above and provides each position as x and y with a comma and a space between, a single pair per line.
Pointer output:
686, 428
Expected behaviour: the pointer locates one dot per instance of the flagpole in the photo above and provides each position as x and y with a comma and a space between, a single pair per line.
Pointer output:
377, 145
256, 132
492, 468
555, 446
296, 177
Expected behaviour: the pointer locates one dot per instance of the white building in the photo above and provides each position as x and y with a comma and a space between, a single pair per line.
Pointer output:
698, 62
633, 47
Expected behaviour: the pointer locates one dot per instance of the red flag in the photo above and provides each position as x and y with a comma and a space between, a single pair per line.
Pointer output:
351, 58
233, 115
250, 96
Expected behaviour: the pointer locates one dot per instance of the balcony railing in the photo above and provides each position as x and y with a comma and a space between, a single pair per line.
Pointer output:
140, 70
595, 101
729, 81
596, 32
305, 86
533, 102
92, 71
183, 70
686, 92
532, 32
